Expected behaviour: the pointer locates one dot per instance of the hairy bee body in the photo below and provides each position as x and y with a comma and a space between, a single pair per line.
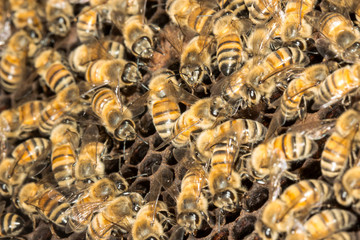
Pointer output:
337, 85
324, 224
201, 115
86, 53
346, 189
10, 183
138, 37
149, 221
11, 225
237, 6
294, 204
192, 206
116, 118
63, 158
89, 24
59, 15
119, 214
261, 11
58, 77
30, 21
287, 147
117, 72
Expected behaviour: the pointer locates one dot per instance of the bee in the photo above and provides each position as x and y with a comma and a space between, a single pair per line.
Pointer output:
64, 139
295, 27
245, 131
195, 61
59, 15
202, 115
338, 147
163, 99
138, 37
93, 198
224, 182
237, 6
192, 206
37, 199
342, 40
295, 203
66, 101
269, 156
345, 189
89, 24
116, 118
89, 165
30, 21
9, 183
117, 72
58, 77
150, 221
86, 53
300, 90
337, 86
260, 11
229, 47
324, 224
44, 59
119, 215
11, 223
342, 235
261, 82
13, 61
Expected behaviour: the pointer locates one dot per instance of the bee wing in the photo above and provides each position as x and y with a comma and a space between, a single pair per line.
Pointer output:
91, 134
314, 130
82, 215
182, 95
177, 234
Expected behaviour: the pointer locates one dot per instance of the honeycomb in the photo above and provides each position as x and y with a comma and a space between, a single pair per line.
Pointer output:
149, 169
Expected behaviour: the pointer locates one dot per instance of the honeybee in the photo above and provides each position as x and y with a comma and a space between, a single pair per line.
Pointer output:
229, 49
342, 41
89, 24
345, 189
224, 182
342, 235
58, 77
89, 165
115, 117
336, 86
39, 200
192, 206
66, 101
9, 183
119, 215
59, 15
116, 73
11, 223
261, 81
86, 53
195, 61
324, 224
64, 139
245, 131
30, 21
340, 144
164, 96
294, 204
93, 198
270, 156
237, 6
295, 27
44, 59
15, 5
261, 11
150, 221
202, 115
260, 43
299, 91
138, 37
13, 61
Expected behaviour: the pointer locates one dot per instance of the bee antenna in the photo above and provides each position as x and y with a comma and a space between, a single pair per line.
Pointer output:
142, 139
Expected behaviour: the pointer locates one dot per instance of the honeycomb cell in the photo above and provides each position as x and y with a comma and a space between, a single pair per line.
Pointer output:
151, 164
139, 153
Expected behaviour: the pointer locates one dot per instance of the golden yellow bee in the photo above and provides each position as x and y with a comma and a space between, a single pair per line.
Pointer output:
89, 24
86, 53
261, 11
192, 206
323, 225
10, 183
12, 224
59, 15
268, 157
293, 205
337, 86
30, 21
237, 6
150, 221
118, 215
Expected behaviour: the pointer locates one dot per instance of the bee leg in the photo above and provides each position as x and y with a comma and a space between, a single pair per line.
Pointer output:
291, 176
302, 109
52, 230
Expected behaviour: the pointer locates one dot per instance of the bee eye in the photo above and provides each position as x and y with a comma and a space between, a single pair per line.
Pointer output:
343, 195
252, 93
4, 188
299, 44
136, 207
151, 238
267, 232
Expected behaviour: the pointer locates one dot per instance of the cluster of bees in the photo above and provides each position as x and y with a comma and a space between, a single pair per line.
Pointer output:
229, 86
